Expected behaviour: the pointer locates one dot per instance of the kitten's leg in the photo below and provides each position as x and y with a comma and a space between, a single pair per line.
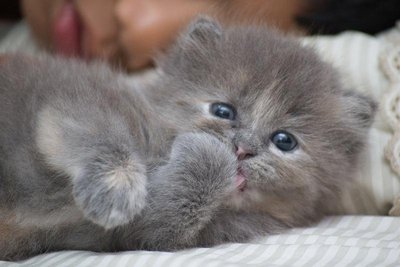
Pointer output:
18, 242
239, 226
96, 149
185, 194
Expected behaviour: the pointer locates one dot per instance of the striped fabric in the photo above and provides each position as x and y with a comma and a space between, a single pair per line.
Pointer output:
336, 241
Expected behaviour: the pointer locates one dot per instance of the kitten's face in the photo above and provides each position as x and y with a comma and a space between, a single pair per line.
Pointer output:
296, 133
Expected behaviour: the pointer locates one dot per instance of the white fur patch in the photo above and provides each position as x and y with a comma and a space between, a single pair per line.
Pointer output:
131, 176
49, 140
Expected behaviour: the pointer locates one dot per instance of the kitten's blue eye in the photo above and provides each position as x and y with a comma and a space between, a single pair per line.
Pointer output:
223, 111
284, 141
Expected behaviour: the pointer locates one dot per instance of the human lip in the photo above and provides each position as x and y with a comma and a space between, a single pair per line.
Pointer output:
67, 31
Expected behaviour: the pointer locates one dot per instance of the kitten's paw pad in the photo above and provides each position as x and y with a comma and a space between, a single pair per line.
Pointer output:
113, 197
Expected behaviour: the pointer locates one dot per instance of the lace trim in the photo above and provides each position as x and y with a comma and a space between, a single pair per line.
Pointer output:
390, 60
392, 152
391, 106
390, 63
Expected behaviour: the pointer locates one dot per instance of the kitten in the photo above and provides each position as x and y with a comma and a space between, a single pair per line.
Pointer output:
242, 133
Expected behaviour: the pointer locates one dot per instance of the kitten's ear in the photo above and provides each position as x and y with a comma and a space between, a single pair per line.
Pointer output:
192, 46
361, 108
203, 30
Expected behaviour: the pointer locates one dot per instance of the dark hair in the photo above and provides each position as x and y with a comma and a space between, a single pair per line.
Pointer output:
334, 16
10, 10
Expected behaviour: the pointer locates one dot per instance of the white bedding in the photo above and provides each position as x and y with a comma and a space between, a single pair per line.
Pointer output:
337, 241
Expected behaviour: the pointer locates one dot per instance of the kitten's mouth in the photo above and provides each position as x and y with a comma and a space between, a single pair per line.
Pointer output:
240, 180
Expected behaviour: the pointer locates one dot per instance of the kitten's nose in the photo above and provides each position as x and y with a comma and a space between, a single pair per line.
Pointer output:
242, 152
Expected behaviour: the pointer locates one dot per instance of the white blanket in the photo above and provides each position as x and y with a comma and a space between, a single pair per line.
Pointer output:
336, 241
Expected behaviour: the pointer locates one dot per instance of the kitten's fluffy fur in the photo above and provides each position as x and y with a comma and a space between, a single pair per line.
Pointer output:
86, 162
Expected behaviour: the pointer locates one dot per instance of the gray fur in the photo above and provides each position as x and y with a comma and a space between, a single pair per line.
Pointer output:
86, 162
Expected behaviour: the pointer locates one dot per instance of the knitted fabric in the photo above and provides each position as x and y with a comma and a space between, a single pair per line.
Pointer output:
390, 63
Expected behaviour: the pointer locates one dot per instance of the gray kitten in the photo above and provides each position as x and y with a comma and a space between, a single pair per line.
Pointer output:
242, 133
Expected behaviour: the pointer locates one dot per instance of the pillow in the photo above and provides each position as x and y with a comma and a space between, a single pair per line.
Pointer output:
371, 65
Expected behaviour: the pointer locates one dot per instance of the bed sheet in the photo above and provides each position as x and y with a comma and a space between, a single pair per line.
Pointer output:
336, 241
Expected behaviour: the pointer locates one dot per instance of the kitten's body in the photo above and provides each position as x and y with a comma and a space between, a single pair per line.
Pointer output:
80, 151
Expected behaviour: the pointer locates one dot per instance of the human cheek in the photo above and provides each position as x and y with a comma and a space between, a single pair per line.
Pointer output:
135, 18
150, 26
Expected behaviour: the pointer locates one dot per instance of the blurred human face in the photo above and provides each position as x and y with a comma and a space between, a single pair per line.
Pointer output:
84, 28
147, 27
131, 32
121, 31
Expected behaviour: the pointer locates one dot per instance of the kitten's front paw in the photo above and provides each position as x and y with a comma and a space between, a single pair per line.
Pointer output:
206, 160
111, 195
